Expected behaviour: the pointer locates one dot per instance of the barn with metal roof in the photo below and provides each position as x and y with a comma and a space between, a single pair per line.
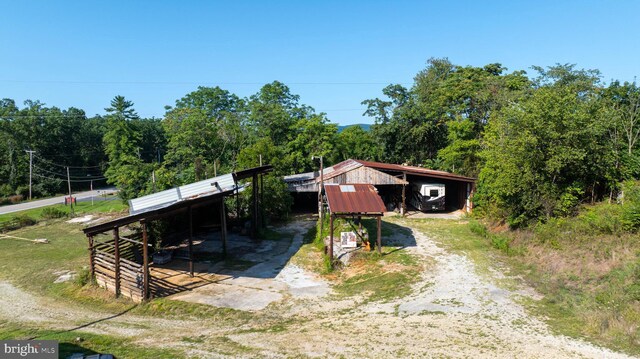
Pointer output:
395, 183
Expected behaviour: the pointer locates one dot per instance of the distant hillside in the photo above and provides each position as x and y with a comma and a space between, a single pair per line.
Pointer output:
365, 126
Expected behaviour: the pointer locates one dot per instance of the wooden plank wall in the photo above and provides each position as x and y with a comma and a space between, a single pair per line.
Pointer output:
365, 175
131, 274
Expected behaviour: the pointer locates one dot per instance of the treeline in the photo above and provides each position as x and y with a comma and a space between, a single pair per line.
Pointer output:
540, 143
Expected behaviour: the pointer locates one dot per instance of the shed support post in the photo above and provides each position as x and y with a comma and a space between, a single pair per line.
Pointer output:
237, 202
468, 199
145, 261
254, 211
92, 258
379, 244
116, 253
403, 209
262, 217
331, 240
223, 227
191, 241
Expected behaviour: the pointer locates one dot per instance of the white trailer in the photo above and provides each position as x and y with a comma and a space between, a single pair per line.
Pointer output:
428, 196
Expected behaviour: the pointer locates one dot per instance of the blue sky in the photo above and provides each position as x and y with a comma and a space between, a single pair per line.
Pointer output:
334, 54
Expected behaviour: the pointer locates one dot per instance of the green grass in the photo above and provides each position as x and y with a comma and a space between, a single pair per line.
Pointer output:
377, 277
81, 208
32, 265
88, 344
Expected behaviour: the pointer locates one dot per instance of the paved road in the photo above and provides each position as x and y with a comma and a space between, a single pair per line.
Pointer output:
55, 200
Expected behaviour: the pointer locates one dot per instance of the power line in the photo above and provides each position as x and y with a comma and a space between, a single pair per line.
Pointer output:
62, 180
63, 166
158, 116
345, 83
64, 175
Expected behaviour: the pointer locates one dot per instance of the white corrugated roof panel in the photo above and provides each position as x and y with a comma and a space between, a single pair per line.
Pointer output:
186, 192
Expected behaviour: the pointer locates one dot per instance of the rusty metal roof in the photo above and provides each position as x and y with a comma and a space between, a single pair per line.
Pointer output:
353, 198
419, 171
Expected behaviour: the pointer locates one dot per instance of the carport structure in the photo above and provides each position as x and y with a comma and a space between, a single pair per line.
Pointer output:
459, 188
122, 264
390, 179
353, 200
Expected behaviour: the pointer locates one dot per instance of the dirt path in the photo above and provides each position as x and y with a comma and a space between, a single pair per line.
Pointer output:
452, 312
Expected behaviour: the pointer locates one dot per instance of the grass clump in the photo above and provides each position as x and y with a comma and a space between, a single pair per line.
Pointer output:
52, 213
16, 222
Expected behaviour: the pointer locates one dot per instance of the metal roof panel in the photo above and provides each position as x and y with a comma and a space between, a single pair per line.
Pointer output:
353, 198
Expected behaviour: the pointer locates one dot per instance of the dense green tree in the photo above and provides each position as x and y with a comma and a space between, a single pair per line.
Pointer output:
275, 112
313, 136
441, 119
126, 169
354, 142
406, 134
59, 137
205, 132
622, 102
546, 152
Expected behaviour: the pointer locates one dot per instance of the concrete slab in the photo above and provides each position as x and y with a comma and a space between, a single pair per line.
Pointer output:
270, 279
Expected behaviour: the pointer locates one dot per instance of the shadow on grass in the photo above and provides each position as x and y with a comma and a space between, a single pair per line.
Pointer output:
90, 323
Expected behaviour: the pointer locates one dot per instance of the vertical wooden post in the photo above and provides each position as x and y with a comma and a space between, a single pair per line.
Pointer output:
468, 199
116, 244
331, 240
223, 227
92, 258
238, 202
191, 241
403, 210
262, 218
145, 261
254, 212
379, 244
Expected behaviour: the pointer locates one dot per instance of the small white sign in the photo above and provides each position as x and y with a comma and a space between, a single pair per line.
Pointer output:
348, 239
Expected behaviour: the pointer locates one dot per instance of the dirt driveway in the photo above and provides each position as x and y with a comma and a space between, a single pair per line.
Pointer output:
453, 311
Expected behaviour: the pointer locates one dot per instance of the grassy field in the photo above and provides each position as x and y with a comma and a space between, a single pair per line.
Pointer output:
80, 208
589, 278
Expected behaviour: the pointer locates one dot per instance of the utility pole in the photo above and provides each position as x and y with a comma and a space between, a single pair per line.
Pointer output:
70, 198
320, 209
153, 180
91, 181
321, 189
30, 152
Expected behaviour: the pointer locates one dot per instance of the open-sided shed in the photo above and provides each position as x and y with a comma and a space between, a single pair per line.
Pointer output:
121, 264
353, 200
459, 188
